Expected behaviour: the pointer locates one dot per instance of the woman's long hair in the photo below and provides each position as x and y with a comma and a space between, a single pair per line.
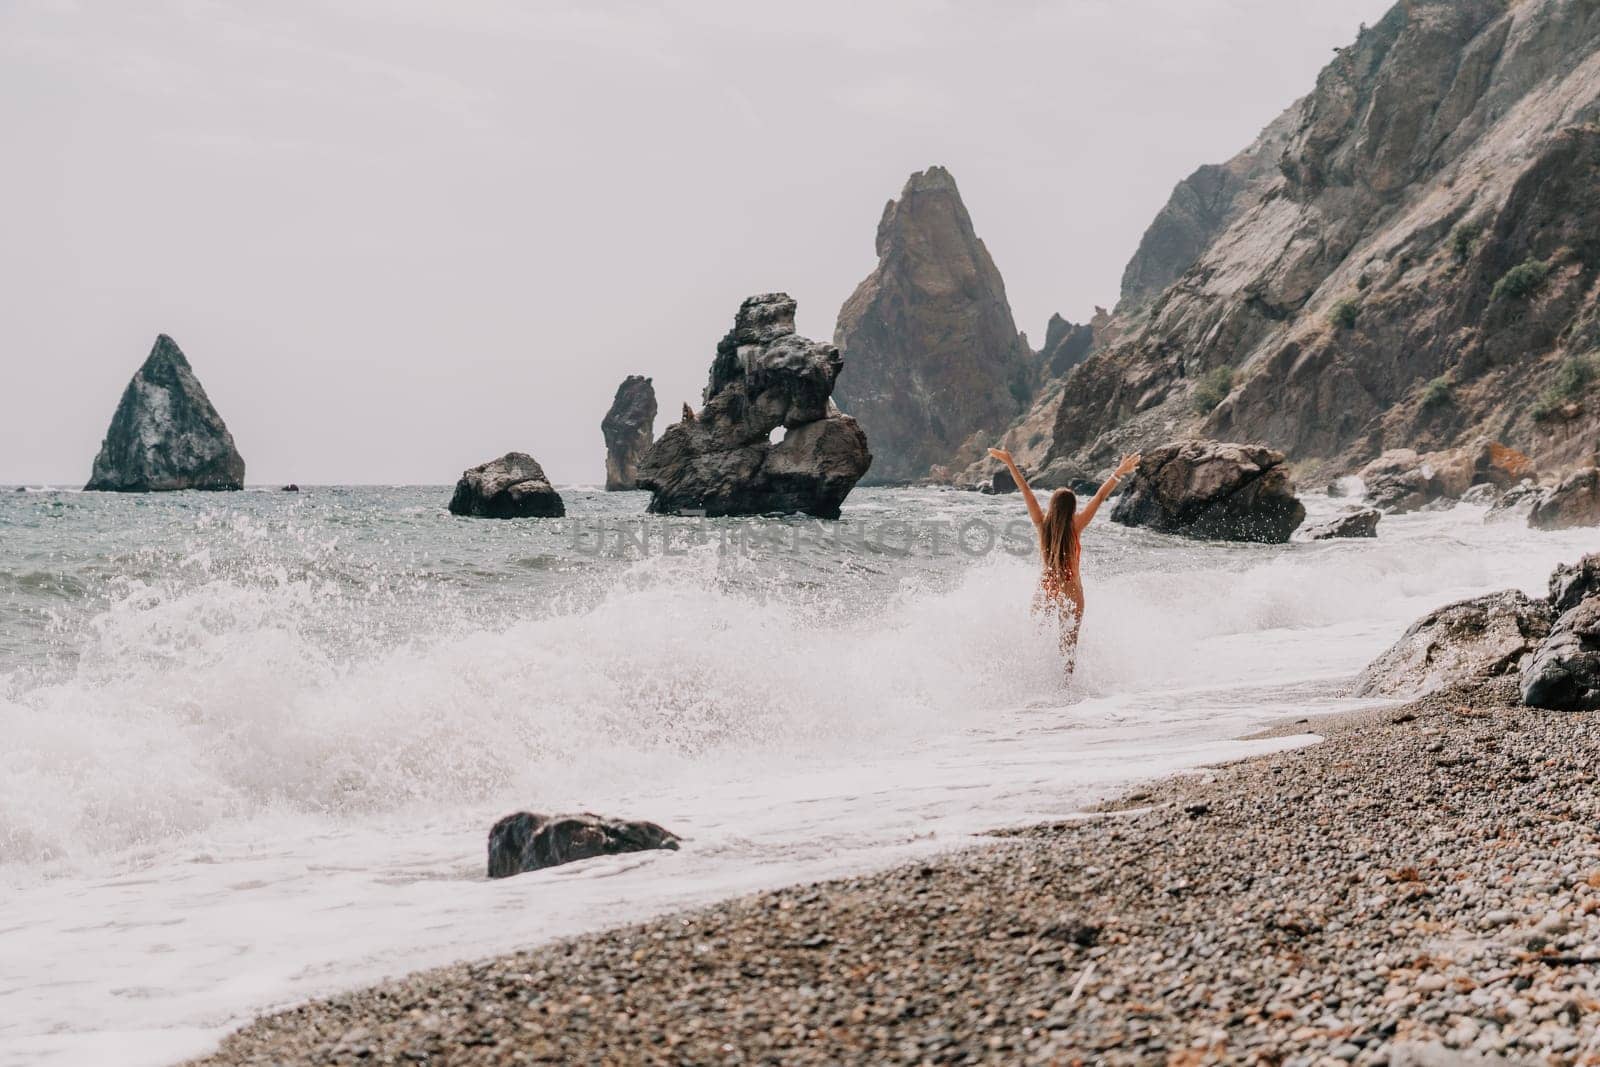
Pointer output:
1058, 537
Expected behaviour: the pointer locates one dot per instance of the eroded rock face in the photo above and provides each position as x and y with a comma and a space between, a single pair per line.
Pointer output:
1200, 208
511, 487
1471, 640
529, 842
935, 355
628, 428
1575, 502
1357, 294
1402, 480
723, 460
1363, 523
165, 434
1212, 490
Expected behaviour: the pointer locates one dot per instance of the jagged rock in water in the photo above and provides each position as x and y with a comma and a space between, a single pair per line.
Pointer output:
1363, 296
935, 355
1565, 671
529, 842
1474, 639
1212, 490
1363, 523
511, 487
165, 434
290, 488
1518, 501
629, 428
723, 460
1575, 502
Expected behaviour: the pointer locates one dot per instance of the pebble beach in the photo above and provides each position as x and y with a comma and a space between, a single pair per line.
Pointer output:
1421, 887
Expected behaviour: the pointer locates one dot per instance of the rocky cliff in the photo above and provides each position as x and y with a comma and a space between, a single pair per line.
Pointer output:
934, 353
1421, 269
628, 429
165, 434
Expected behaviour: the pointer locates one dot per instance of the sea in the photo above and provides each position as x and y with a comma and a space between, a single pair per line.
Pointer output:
251, 743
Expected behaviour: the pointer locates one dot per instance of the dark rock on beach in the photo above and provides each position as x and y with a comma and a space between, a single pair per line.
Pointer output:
725, 460
1575, 502
529, 842
511, 487
628, 428
1211, 490
1468, 641
1565, 672
165, 434
1363, 523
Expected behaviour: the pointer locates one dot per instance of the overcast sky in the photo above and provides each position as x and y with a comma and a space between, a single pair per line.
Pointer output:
398, 237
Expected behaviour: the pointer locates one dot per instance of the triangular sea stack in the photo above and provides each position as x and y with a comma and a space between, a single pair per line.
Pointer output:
165, 434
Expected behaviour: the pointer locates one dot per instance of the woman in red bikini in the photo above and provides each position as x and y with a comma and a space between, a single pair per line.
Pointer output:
1061, 548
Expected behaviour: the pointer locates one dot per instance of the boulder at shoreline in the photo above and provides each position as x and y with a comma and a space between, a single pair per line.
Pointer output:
726, 460
1212, 490
1575, 502
511, 487
1550, 645
628, 428
1471, 640
528, 842
166, 435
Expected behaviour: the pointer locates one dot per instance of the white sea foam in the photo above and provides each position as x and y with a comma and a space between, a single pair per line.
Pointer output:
257, 772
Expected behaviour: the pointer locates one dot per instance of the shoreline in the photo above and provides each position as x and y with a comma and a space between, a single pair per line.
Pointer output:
1422, 885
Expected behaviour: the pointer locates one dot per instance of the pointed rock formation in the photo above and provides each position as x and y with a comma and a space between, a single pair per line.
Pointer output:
511, 487
628, 427
934, 353
165, 434
723, 461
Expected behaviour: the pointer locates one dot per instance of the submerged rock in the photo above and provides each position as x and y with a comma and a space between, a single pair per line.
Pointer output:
934, 351
1575, 502
1363, 523
1470, 640
165, 434
511, 487
1212, 490
725, 461
529, 842
1516, 502
628, 428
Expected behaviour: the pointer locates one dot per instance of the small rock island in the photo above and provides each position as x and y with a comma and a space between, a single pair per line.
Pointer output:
729, 460
511, 487
166, 435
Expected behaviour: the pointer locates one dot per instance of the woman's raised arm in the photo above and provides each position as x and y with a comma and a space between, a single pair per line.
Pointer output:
1034, 512
1086, 513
